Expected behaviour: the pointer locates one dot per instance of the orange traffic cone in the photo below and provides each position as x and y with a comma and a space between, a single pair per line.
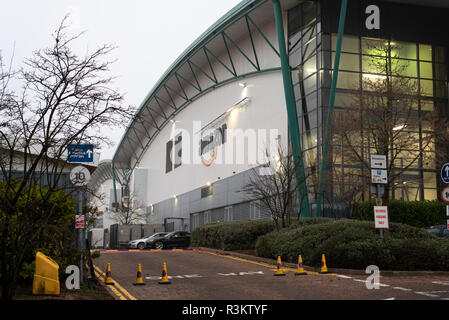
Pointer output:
107, 277
164, 279
279, 270
139, 278
300, 267
323, 265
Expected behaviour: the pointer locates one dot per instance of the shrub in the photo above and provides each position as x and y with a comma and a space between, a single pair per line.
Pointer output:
235, 235
355, 245
419, 214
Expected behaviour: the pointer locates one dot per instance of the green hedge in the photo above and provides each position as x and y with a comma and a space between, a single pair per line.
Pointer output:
421, 214
239, 235
235, 235
355, 245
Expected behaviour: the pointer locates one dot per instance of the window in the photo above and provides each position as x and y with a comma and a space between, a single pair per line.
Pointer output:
254, 210
228, 216
207, 217
195, 221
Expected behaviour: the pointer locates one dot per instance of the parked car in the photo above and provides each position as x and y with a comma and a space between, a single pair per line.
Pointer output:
145, 242
440, 231
177, 239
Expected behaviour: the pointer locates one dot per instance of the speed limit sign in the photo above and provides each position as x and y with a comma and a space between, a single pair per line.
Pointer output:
445, 195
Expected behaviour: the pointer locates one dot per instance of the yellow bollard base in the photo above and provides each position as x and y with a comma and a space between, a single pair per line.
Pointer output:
164, 282
300, 273
139, 284
279, 275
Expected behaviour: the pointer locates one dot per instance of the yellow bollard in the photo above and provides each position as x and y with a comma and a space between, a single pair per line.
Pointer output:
300, 267
323, 265
107, 277
164, 279
139, 277
46, 277
279, 270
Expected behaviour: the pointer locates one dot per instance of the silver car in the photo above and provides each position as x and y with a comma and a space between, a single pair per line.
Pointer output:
144, 242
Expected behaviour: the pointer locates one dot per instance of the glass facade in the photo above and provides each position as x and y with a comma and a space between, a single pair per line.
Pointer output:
417, 71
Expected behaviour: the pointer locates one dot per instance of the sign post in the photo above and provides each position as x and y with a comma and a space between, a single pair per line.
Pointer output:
80, 176
378, 178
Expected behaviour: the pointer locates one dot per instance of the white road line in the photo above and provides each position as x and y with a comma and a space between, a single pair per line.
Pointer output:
427, 294
344, 277
389, 298
444, 283
403, 289
359, 280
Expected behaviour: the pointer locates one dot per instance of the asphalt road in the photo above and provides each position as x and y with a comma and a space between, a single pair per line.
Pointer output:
200, 275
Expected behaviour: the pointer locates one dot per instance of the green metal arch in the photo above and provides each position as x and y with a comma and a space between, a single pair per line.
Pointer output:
241, 12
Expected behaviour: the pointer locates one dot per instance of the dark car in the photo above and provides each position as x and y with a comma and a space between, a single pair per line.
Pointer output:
440, 231
177, 239
146, 242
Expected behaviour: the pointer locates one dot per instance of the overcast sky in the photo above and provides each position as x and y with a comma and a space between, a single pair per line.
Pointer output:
150, 35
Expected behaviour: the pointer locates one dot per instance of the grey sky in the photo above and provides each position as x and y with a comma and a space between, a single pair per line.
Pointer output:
150, 35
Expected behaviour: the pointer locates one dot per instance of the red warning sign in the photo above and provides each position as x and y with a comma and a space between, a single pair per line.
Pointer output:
381, 217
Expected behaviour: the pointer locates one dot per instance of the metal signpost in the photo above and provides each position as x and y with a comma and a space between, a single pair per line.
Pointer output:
378, 179
80, 176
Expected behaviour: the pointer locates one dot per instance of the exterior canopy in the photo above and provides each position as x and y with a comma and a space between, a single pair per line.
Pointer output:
216, 58
102, 173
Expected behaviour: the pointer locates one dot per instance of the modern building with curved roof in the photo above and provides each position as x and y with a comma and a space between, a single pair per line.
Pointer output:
260, 77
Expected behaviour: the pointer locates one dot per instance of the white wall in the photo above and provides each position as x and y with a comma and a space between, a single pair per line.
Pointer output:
266, 110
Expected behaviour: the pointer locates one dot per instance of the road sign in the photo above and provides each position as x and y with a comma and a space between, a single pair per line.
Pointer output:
447, 211
381, 217
378, 161
79, 176
80, 153
445, 173
79, 221
378, 176
445, 195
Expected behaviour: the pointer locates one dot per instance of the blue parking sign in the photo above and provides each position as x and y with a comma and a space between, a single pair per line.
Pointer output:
445, 173
80, 153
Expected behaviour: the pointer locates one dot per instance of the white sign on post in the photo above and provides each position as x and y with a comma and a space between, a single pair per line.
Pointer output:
381, 217
447, 211
378, 176
79, 221
378, 161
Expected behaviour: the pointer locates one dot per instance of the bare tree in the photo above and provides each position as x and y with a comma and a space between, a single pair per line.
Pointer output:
385, 119
130, 211
65, 99
274, 187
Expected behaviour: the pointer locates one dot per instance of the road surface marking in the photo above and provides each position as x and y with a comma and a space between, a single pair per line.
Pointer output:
272, 267
115, 291
403, 289
389, 298
117, 285
444, 283
426, 294
344, 277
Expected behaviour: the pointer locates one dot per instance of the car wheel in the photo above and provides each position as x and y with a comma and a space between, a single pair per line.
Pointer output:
159, 245
141, 246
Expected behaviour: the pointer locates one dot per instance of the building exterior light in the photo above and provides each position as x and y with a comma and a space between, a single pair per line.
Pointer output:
399, 127
373, 76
